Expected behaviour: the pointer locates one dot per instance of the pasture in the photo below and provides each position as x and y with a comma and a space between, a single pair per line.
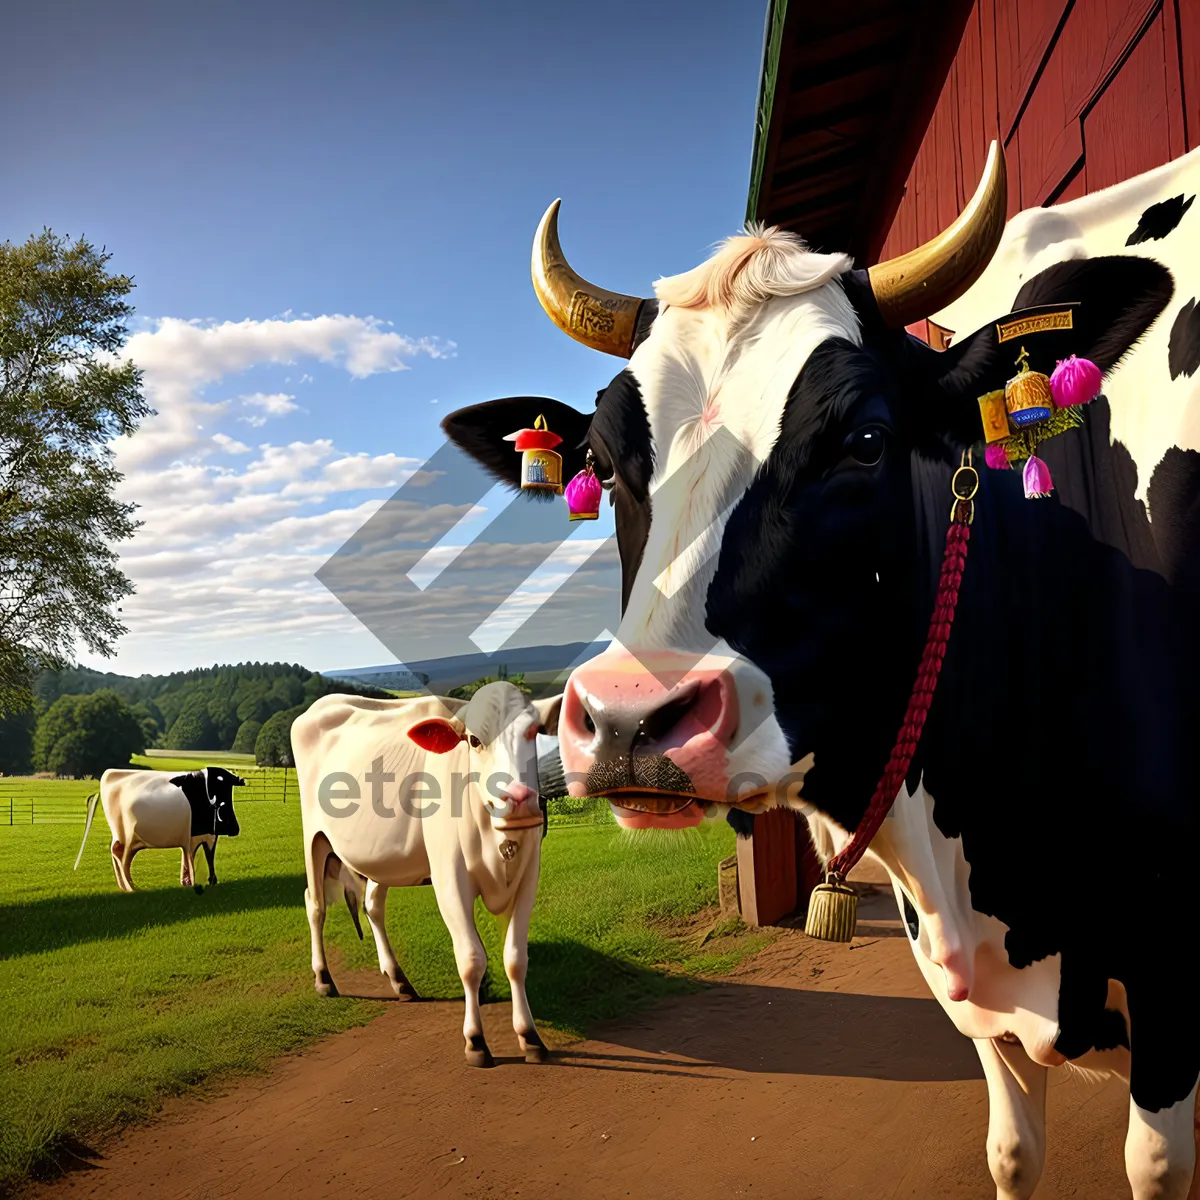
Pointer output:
113, 1002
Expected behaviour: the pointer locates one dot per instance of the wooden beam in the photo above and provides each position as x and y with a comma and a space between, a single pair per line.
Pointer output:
777, 867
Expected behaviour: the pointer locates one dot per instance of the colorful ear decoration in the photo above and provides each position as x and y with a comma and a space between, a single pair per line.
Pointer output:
1027, 394
1032, 407
1075, 381
541, 467
583, 494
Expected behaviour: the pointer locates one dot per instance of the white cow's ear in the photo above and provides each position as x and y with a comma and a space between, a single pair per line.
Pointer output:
437, 735
547, 711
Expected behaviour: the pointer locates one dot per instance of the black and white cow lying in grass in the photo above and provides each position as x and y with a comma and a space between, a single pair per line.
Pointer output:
149, 810
401, 792
778, 584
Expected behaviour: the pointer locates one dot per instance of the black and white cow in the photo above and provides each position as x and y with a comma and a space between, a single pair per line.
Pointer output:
778, 584
148, 810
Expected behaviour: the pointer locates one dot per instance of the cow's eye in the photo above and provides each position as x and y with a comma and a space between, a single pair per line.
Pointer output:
865, 445
474, 742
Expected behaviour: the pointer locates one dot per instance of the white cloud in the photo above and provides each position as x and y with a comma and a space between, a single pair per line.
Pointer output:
269, 404
232, 534
230, 445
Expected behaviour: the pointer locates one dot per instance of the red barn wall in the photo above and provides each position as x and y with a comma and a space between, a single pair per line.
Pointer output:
1082, 93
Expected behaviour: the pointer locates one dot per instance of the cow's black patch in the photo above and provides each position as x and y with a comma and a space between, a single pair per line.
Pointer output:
742, 823
195, 788
1111, 1030
624, 451
1174, 500
1183, 350
1159, 219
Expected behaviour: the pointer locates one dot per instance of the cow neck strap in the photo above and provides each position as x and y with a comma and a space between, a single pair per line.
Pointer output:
964, 485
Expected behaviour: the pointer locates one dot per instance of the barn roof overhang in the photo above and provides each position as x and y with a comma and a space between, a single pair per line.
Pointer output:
845, 95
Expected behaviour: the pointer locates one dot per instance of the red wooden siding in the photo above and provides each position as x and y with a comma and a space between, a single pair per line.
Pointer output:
1083, 93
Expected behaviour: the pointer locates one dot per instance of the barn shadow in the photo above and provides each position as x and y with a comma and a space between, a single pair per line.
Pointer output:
60, 921
789, 1031
739, 1026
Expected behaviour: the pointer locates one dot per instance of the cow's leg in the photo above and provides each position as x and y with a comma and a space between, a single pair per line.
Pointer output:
375, 905
456, 902
1160, 1150
1016, 1138
516, 965
210, 855
1160, 1147
319, 850
187, 868
117, 849
127, 863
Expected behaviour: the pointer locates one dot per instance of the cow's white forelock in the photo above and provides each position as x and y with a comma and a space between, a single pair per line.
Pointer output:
704, 370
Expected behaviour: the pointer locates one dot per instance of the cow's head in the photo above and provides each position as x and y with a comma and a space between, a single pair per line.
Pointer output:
762, 451
499, 725
220, 784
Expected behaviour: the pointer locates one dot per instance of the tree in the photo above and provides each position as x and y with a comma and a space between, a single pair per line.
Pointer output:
84, 735
64, 395
192, 730
16, 742
247, 736
273, 747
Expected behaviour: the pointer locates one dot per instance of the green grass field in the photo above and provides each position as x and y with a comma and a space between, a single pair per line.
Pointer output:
190, 760
112, 1002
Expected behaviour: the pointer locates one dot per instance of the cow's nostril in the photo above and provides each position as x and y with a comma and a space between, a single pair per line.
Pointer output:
588, 723
660, 722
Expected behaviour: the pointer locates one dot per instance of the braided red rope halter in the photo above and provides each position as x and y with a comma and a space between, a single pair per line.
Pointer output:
964, 485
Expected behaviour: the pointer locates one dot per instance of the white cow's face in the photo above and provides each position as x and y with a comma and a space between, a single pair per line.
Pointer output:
499, 726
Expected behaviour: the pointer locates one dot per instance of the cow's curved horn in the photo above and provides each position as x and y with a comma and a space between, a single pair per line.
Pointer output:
919, 283
606, 321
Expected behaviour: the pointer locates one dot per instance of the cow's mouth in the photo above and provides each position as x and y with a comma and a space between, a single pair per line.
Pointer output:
651, 808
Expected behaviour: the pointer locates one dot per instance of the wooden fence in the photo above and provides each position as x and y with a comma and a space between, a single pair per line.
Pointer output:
64, 801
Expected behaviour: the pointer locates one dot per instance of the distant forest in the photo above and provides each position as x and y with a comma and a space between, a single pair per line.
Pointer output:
209, 708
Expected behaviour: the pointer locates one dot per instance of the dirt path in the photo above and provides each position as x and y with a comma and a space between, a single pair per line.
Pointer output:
817, 1071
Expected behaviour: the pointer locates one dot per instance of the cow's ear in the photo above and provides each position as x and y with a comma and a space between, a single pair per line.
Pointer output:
437, 735
480, 431
1119, 298
547, 711
1112, 302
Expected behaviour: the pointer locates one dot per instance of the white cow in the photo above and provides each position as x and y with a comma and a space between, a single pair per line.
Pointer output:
146, 810
402, 792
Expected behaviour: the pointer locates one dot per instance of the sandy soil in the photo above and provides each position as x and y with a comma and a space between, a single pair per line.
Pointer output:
817, 1071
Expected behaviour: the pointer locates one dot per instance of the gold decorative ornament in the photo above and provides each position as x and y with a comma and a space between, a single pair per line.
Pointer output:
994, 414
832, 911
1027, 394
508, 849
925, 280
1006, 331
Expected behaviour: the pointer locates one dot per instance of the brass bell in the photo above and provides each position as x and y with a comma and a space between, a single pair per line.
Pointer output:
541, 465
832, 911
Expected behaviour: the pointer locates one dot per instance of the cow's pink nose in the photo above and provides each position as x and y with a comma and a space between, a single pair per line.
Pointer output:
619, 707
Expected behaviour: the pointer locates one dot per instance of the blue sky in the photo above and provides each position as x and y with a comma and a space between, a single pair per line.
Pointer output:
328, 210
